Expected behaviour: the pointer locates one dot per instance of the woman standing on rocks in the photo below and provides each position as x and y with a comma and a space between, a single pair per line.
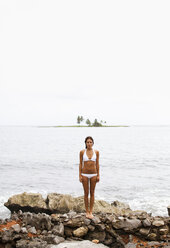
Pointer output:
89, 171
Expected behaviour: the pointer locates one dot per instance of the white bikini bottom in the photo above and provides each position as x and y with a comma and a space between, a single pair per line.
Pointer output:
89, 175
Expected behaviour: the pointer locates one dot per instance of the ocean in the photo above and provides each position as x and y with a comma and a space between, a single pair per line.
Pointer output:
134, 163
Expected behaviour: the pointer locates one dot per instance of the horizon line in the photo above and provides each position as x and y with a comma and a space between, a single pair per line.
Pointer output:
85, 125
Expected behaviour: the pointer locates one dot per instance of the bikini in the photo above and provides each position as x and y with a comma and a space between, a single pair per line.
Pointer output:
85, 158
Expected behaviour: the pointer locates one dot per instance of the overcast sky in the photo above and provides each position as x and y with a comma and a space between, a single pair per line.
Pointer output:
108, 60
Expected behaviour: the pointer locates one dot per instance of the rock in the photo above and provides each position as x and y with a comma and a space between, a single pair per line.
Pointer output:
110, 218
100, 227
77, 221
16, 228
152, 236
96, 235
9, 245
164, 231
68, 231
59, 203
127, 224
7, 236
71, 214
158, 223
153, 243
91, 227
32, 202
168, 210
130, 245
146, 223
87, 221
32, 230
120, 205
40, 221
31, 244
58, 230
50, 238
144, 231
96, 220
81, 231
57, 240
24, 230
78, 244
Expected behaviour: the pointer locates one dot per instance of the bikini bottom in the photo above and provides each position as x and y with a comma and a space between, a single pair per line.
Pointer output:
89, 175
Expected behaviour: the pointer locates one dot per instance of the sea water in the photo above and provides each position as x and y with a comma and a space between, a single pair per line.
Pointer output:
134, 163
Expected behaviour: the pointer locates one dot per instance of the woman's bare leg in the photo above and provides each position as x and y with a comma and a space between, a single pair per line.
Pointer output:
92, 189
85, 182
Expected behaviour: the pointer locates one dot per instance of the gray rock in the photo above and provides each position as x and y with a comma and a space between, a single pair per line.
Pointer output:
58, 203
71, 214
130, 245
40, 221
24, 230
146, 222
87, 221
7, 236
78, 244
32, 230
96, 235
31, 244
100, 227
158, 223
91, 227
74, 222
96, 220
127, 224
153, 243
32, 202
58, 229
57, 240
144, 231
120, 205
16, 228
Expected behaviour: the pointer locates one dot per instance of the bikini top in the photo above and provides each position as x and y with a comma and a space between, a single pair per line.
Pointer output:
85, 158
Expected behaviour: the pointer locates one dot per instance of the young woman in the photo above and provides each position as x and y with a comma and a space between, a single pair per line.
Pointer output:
89, 172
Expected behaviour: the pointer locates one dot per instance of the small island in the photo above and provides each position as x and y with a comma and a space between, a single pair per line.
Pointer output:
88, 123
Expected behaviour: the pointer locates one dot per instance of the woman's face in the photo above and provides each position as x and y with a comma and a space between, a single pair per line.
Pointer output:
89, 143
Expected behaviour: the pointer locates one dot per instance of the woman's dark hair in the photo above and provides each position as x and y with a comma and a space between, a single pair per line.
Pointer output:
88, 137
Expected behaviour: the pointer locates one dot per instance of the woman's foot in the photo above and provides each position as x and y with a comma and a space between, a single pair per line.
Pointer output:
87, 215
90, 216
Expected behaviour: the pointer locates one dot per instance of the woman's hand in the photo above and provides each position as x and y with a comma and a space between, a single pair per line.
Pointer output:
97, 179
80, 178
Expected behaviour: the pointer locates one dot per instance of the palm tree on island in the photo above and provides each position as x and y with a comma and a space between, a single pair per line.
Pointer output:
89, 123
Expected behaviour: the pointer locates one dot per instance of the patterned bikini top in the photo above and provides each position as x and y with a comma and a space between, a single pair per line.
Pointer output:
85, 158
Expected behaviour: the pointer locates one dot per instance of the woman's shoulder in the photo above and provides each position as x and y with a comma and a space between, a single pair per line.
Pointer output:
96, 151
82, 151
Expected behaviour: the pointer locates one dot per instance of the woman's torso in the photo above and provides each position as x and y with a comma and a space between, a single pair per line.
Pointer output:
89, 162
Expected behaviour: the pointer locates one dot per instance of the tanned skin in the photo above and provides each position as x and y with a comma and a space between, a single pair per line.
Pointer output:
90, 167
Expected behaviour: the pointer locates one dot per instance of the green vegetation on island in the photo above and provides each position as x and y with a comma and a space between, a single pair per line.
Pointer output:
88, 123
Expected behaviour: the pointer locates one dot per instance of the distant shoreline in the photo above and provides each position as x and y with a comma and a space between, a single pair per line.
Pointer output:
86, 126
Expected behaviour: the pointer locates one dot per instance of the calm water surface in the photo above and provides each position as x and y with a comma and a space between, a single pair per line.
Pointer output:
134, 164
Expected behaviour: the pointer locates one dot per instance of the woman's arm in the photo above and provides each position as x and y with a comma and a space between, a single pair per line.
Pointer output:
97, 166
80, 167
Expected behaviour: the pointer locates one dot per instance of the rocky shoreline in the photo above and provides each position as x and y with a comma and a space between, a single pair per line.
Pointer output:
59, 221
